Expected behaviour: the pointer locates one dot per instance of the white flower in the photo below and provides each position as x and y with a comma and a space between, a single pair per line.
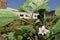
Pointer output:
43, 30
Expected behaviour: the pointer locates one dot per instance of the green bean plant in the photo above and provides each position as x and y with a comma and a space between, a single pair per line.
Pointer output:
43, 29
40, 28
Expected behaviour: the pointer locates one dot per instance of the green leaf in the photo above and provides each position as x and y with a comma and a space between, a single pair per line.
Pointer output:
56, 27
57, 11
44, 6
7, 16
37, 21
57, 37
30, 5
8, 13
5, 21
11, 36
25, 29
19, 37
37, 3
27, 3
4, 35
47, 35
20, 8
23, 9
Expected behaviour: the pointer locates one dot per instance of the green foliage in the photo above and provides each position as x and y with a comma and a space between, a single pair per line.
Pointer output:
57, 11
44, 6
41, 15
11, 36
57, 36
4, 35
25, 29
37, 21
23, 9
56, 27
30, 5
7, 16
27, 3
19, 37
5, 21
56, 30
47, 35
24, 32
35, 3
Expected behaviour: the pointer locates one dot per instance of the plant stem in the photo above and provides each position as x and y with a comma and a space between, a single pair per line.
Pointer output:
27, 21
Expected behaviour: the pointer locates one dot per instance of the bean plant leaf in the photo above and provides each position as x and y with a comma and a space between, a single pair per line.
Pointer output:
57, 11
7, 16
19, 37
56, 27
30, 5
27, 2
43, 6
23, 9
57, 36
37, 3
25, 29
11, 36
